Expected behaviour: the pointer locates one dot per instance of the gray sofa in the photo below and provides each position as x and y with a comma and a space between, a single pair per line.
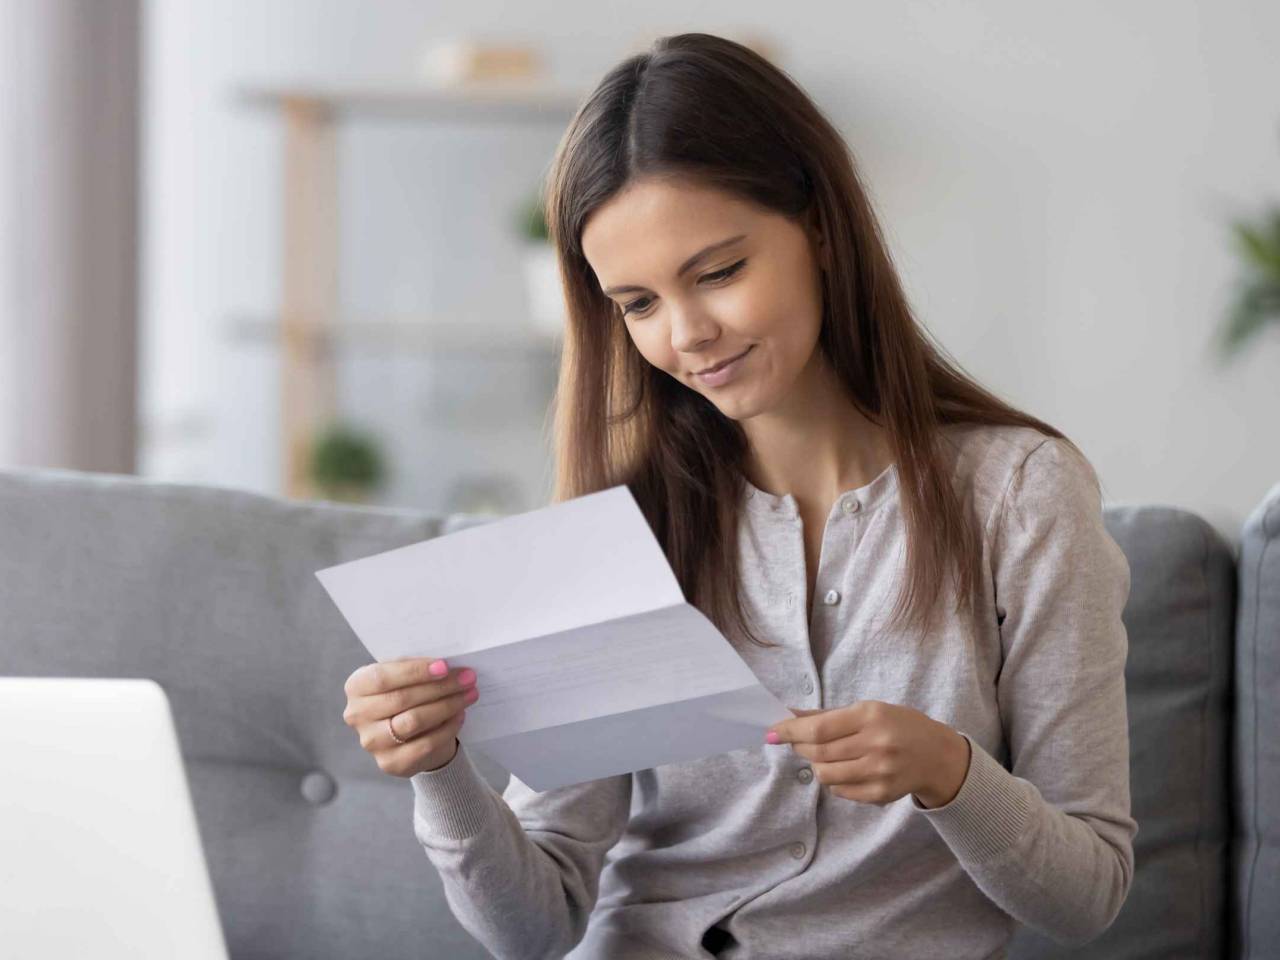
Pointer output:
212, 593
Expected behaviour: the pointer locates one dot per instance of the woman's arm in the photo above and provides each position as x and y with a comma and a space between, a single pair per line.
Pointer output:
1051, 840
520, 870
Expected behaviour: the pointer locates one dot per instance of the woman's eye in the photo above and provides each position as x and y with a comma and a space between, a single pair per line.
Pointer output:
719, 275
726, 272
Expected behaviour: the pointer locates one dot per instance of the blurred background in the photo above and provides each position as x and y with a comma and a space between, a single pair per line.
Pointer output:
292, 247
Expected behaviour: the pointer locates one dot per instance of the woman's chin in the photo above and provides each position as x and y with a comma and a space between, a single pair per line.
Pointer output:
738, 408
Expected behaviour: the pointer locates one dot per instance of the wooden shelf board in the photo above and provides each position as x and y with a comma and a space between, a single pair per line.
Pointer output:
497, 100
423, 335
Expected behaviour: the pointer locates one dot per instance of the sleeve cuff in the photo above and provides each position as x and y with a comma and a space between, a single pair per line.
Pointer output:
987, 816
453, 802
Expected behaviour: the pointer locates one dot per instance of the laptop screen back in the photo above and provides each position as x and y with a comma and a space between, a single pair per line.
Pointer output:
100, 853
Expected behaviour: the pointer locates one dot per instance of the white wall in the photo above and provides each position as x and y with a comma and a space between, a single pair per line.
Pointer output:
1054, 180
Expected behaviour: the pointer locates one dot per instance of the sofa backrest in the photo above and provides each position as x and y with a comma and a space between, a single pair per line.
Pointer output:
212, 593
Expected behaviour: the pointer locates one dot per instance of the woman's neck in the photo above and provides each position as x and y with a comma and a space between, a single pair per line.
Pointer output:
815, 445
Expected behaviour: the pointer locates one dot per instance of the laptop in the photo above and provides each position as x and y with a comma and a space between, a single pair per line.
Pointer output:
100, 855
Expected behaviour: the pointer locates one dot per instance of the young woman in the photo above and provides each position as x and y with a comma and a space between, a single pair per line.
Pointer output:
921, 570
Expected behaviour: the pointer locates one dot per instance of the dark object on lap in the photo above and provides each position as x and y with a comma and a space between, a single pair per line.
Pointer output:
716, 939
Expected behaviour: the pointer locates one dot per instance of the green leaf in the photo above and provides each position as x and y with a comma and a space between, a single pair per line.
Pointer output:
1255, 306
1260, 244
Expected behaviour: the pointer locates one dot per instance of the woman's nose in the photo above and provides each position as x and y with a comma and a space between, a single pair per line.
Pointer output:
690, 330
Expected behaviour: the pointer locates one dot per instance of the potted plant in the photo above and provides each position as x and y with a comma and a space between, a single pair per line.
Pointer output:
541, 270
345, 463
1256, 302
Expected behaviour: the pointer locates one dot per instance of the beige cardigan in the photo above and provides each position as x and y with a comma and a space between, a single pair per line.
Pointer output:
641, 865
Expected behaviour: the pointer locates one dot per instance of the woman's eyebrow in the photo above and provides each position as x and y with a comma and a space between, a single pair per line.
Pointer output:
688, 264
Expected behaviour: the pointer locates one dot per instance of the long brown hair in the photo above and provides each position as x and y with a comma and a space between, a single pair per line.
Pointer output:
704, 109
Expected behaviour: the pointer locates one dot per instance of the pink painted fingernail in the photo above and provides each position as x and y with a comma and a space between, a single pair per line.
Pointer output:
771, 737
471, 695
438, 669
467, 676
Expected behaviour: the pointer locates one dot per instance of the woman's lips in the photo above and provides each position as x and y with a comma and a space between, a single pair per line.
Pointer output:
727, 372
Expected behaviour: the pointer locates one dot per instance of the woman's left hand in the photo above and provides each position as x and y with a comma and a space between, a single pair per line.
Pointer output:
875, 752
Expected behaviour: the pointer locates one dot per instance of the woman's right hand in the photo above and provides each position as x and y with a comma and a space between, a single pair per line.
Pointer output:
426, 704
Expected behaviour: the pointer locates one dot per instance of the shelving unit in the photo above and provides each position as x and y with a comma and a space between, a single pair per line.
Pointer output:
414, 334
308, 328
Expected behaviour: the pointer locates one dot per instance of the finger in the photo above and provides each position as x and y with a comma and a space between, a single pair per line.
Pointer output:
849, 773
381, 676
396, 757
818, 727
422, 720
875, 790
382, 705
843, 748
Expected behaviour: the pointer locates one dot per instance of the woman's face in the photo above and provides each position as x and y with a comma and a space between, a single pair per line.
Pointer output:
760, 293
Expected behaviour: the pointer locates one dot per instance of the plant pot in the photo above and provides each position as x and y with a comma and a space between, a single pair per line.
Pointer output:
346, 493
